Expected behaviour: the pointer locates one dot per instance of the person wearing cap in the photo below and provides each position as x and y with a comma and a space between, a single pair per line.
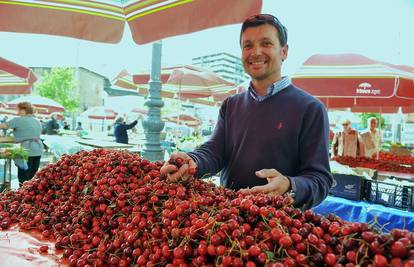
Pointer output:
26, 130
121, 128
273, 138
347, 142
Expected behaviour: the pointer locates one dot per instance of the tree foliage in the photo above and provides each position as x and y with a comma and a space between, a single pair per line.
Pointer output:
365, 116
59, 85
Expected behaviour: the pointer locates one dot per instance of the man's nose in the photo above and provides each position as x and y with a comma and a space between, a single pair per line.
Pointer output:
257, 50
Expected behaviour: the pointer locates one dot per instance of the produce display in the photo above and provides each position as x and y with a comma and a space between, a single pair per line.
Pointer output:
380, 165
113, 208
386, 156
11, 151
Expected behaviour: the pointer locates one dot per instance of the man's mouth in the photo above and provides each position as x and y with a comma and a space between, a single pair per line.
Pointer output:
257, 62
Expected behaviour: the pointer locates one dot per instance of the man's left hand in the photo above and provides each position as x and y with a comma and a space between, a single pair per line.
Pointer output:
276, 183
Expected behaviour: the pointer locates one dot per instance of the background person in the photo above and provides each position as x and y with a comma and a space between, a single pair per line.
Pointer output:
273, 137
347, 142
52, 125
371, 138
27, 130
121, 128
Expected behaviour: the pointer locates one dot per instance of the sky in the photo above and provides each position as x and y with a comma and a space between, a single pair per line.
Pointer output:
379, 29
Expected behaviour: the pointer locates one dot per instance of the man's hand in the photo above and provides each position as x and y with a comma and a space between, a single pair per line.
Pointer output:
276, 183
173, 173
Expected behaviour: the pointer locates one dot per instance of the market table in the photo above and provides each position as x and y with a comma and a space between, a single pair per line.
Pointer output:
360, 211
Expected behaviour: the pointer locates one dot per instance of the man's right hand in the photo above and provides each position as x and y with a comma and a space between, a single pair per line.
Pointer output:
173, 173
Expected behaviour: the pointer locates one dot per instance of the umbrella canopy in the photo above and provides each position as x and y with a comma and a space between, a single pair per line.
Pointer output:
351, 80
104, 20
100, 113
196, 83
184, 82
42, 105
139, 111
184, 119
15, 79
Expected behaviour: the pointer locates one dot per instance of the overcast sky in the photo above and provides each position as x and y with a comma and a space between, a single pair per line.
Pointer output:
379, 29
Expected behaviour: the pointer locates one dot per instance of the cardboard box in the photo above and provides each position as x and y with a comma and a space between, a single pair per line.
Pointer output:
348, 186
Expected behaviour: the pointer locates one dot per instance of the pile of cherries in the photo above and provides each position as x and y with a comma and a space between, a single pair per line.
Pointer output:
113, 208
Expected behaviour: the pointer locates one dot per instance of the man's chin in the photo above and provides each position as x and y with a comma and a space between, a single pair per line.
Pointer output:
258, 77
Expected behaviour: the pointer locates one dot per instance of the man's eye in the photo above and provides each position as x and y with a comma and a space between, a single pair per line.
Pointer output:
246, 46
267, 44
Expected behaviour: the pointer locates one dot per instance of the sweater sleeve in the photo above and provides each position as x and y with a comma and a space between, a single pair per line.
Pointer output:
314, 179
131, 125
209, 157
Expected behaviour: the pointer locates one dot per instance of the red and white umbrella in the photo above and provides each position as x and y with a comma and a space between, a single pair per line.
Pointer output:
139, 111
184, 82
100, 113
104, 20
350, 80
42, 105
15, 79
185, 120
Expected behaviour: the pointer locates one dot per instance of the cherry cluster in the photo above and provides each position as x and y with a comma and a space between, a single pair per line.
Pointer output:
113, 208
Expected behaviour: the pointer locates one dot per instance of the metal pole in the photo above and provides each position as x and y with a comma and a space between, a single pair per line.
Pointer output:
153, 125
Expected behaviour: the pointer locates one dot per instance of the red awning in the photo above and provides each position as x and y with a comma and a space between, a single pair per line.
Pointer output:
350, 80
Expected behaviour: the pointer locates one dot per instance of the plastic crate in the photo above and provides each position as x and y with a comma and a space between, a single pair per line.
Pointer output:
389, 194
348, 186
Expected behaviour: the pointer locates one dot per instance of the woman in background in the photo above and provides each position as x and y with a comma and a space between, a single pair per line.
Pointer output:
26, 131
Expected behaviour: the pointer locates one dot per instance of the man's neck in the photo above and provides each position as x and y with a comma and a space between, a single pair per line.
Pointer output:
260, 86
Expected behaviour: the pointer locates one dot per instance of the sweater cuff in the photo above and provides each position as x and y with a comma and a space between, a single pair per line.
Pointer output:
299, 188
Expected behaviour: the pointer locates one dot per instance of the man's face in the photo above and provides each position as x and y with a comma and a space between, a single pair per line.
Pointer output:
346, 126
262, 54
373, 124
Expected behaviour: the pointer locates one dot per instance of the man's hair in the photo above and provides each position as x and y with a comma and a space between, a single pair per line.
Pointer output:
28, 107
261, 19
119, 120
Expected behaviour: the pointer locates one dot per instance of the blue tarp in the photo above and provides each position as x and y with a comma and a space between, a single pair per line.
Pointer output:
359, 211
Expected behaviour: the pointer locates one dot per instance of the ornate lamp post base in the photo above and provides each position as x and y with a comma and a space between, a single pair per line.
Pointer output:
153, 124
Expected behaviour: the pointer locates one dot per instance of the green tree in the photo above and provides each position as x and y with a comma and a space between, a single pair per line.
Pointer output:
365, 116
59, 85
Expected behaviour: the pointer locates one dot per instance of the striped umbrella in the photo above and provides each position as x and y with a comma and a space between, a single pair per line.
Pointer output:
15, 79
100, 113
42, 105
104, 20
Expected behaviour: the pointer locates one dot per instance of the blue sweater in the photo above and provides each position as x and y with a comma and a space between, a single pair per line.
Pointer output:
120, 131
288, 132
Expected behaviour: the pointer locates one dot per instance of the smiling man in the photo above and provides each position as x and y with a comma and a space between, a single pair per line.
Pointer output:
274, 137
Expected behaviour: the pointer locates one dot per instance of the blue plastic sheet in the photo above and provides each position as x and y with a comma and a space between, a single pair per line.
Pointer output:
380, 216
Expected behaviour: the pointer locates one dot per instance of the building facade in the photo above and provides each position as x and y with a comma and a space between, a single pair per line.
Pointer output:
90, 85
224, 64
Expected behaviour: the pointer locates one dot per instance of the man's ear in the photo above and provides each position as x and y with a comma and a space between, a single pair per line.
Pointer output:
284, 52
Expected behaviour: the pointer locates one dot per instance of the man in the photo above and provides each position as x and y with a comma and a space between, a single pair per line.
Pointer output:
347, 142
272, 138
120, 130
371, 138
52, 126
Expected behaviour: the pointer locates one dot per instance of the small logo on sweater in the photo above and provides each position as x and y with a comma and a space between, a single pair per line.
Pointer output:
279, 125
